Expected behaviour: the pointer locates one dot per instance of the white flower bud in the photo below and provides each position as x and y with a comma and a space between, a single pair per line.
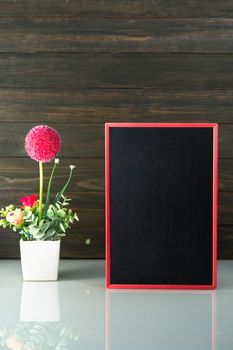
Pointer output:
88, 241
56, 161
72, 167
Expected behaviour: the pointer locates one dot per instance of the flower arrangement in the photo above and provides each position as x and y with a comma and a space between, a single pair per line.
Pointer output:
37, 219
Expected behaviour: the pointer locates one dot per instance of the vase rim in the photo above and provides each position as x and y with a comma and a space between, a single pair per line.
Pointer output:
36, 241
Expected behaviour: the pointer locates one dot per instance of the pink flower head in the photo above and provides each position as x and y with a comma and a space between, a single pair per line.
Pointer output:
42, 143
29, 201
15, 217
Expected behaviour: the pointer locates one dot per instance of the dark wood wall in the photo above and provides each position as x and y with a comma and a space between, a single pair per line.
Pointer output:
77, 64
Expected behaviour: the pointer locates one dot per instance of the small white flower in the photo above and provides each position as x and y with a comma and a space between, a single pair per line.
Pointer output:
56, 160
72, 167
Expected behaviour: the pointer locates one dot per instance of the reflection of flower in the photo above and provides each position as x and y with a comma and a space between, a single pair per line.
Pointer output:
14, 343
15, 217
42, 143
38, 336
29, 201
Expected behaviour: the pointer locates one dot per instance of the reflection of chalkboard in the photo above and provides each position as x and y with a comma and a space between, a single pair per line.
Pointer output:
161, 321
161, 205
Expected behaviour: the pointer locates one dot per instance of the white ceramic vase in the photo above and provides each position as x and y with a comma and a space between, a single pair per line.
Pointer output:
40, 260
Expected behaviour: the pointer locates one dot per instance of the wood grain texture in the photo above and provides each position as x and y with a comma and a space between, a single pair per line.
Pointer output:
63, 34
157, 71
98, 106
225, 183
90, 206
73, 246
225, 208
90, 209
225, 242
226, 141
92, 225
78, 64
23, 175
120, 8
84, 139
78, 140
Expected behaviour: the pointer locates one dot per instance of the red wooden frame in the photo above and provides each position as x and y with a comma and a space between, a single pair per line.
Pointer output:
214, 126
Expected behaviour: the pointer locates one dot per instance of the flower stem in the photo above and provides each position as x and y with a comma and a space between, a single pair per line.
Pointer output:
41, 189
49, 190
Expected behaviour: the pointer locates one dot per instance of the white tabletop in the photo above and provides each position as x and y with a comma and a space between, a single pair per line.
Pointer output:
78, 313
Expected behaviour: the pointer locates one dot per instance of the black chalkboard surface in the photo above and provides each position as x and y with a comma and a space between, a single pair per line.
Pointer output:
161, 205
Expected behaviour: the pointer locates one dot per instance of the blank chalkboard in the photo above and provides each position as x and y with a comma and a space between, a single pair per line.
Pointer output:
161, 205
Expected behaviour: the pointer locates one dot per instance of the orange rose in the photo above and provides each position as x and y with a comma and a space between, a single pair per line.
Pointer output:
15, 217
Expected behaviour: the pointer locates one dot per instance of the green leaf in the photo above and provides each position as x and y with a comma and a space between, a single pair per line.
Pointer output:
39, 235
50, 213
61, 213
50, 232
33, 230
76, 217
44, 227
61, 235
54, 209
62, 227
61, 193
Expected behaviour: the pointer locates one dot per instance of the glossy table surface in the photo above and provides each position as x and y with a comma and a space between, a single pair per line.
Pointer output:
78, 313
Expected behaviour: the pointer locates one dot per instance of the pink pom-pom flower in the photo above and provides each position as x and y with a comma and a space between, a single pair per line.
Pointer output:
42, 143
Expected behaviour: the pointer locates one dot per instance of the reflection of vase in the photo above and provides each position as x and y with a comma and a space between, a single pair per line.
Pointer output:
40, 302
40, 260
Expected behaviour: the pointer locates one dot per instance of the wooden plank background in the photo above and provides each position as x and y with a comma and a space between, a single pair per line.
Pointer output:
77, 64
